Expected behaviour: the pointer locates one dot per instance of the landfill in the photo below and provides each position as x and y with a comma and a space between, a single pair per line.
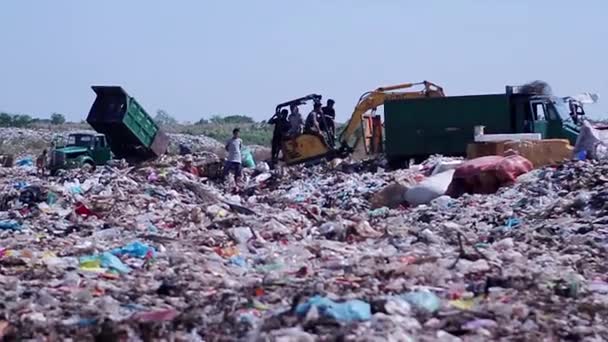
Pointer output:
153, 252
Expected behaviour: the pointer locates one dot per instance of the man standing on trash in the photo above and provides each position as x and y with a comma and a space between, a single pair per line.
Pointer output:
328, 120
279, 120
41, 163
233, 161
312, 122
295, 122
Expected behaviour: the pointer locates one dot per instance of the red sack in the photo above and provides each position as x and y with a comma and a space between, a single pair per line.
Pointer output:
485, 175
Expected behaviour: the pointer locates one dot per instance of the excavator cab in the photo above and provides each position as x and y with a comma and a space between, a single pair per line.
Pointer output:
304, 147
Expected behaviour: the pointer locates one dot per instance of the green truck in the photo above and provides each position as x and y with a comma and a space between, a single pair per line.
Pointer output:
124, 130
418, 128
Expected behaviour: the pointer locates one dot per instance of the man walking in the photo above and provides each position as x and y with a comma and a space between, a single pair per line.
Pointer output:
233, 162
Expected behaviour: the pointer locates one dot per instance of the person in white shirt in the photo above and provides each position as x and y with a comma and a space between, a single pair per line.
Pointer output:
233, 161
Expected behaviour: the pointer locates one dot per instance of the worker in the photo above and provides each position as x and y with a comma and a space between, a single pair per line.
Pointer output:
329, 119
312, 120
184, 150
188, 167
233, 161
279, 120
41, 162
295, 122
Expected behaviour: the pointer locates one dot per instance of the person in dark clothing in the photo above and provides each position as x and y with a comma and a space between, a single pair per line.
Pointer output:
281, 126
184, 150
312, 126
329, 120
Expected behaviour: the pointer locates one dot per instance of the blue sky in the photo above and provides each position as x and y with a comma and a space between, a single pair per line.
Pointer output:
196, 58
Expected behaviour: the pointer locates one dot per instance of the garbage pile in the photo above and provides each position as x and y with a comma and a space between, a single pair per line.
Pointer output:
20, 141
197, 143
153, 252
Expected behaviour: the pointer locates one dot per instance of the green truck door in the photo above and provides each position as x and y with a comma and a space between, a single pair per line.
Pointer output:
101, 151
539, 117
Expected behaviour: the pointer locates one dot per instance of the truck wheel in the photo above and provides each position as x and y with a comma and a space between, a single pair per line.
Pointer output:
400, 163
89, 165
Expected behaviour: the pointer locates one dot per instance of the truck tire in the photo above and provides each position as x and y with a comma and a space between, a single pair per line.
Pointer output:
89, 164
398, 163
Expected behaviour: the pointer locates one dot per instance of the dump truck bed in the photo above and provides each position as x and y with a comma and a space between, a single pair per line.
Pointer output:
131, 132
443, 125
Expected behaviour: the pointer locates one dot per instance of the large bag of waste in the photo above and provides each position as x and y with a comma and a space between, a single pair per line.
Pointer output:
390, 196
485, 175
247, 159
429, 189
589, 143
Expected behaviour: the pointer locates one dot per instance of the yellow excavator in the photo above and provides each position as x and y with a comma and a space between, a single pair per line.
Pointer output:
361, 126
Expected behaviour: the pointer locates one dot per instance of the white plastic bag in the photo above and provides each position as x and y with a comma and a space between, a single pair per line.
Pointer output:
590, 141
429, 189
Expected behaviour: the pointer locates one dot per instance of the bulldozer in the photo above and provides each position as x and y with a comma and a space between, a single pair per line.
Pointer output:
364, 126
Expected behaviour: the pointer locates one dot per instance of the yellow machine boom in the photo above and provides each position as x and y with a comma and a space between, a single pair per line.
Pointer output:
371, 100
307, 147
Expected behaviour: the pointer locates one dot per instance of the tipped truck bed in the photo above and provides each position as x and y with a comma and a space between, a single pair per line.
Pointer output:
130, 131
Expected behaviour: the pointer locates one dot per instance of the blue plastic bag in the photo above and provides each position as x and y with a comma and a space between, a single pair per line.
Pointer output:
238, 260
107, 260
27, 161
349, 311
134, 249
10, 225
512, 222
581, 155
423, 300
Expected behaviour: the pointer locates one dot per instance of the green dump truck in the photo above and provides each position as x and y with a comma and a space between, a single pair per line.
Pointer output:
417, 128
124, 130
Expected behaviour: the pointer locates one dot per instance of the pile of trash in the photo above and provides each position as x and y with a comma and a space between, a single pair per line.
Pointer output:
154, 252
18, 141
21, 141
197, 143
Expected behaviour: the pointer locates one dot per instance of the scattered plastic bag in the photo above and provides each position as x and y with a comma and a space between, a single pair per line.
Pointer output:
163, 315
10, 225
104, 260
423, 300
349, 311
429, 189
135, 249
24, 162
262, 167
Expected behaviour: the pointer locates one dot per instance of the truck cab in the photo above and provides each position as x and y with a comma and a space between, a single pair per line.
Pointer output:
545, 114
80, 149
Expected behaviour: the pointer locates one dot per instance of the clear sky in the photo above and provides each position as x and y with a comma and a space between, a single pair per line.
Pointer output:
196, 58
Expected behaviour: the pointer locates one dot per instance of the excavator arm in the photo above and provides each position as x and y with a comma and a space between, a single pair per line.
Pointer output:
375, 98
